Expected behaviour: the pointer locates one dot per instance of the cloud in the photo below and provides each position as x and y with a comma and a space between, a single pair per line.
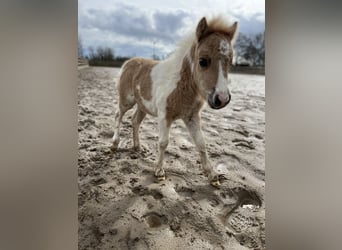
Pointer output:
132, 29
252, 25
132, 22
169, 23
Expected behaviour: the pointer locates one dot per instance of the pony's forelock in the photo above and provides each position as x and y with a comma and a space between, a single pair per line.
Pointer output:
217, 23
222, 25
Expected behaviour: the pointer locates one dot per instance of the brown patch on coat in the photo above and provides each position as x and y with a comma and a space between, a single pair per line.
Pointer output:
185, 100
136, 82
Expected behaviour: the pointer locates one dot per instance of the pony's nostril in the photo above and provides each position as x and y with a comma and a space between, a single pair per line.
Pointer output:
217, 101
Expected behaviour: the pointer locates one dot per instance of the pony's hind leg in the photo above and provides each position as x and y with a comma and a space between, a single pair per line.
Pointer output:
116, 137
138, 117
118, 119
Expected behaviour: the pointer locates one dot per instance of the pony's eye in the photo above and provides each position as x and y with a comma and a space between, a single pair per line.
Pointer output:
203, 62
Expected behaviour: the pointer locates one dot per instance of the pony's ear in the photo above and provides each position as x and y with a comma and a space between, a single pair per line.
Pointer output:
202, 28
233, 31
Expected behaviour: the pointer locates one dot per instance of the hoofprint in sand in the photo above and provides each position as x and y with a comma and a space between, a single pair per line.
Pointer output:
121, 206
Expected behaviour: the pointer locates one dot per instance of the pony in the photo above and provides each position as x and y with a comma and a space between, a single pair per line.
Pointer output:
177, 88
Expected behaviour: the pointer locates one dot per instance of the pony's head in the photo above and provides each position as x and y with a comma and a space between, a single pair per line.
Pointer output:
212, 56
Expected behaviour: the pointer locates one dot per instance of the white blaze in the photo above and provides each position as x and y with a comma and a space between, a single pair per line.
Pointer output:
222, 83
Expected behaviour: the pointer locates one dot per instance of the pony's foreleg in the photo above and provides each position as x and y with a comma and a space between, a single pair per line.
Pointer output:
163, 142
136, 121
194, 126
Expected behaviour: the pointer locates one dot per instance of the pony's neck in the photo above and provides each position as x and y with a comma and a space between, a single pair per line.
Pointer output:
186, 83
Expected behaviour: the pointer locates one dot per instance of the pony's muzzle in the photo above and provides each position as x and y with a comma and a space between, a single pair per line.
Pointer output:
218, 101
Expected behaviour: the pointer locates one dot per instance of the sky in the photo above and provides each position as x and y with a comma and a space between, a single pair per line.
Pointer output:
136, 27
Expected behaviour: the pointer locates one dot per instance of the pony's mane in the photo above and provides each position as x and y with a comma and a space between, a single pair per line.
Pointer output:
183, 46
215, 24
219, 24
173, 63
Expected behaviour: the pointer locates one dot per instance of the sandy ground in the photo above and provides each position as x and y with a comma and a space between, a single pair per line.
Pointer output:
121, 206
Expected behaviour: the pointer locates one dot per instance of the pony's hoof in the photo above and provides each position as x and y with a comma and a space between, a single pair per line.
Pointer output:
161, 178
215, 183
160, 174
114, 148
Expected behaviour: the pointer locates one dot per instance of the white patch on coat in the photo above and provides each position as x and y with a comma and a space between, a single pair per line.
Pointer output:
224, 47
148, 104
163, 83
165, 76
222, 82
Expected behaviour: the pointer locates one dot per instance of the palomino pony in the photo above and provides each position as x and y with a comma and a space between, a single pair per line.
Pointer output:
177, 87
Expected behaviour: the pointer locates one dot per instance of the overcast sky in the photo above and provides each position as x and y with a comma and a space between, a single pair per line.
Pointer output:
131, 27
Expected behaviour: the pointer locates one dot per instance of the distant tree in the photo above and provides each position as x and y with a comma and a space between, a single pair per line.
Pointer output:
108, 54
251, 52
251, 48
156, 57
99, 53
241, 46
259, 41
80, 48
122, 58
103, 56
91, 53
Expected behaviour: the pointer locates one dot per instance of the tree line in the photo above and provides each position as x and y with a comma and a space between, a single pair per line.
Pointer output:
101, 56
104, 56
249, 51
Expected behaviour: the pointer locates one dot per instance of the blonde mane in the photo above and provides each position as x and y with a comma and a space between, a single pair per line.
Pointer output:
219, 24
215, 24
183, 48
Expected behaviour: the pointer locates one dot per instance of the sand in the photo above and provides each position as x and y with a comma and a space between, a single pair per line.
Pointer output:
121, 206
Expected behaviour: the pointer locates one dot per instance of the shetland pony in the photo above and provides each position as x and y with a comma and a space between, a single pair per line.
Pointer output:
177, 87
